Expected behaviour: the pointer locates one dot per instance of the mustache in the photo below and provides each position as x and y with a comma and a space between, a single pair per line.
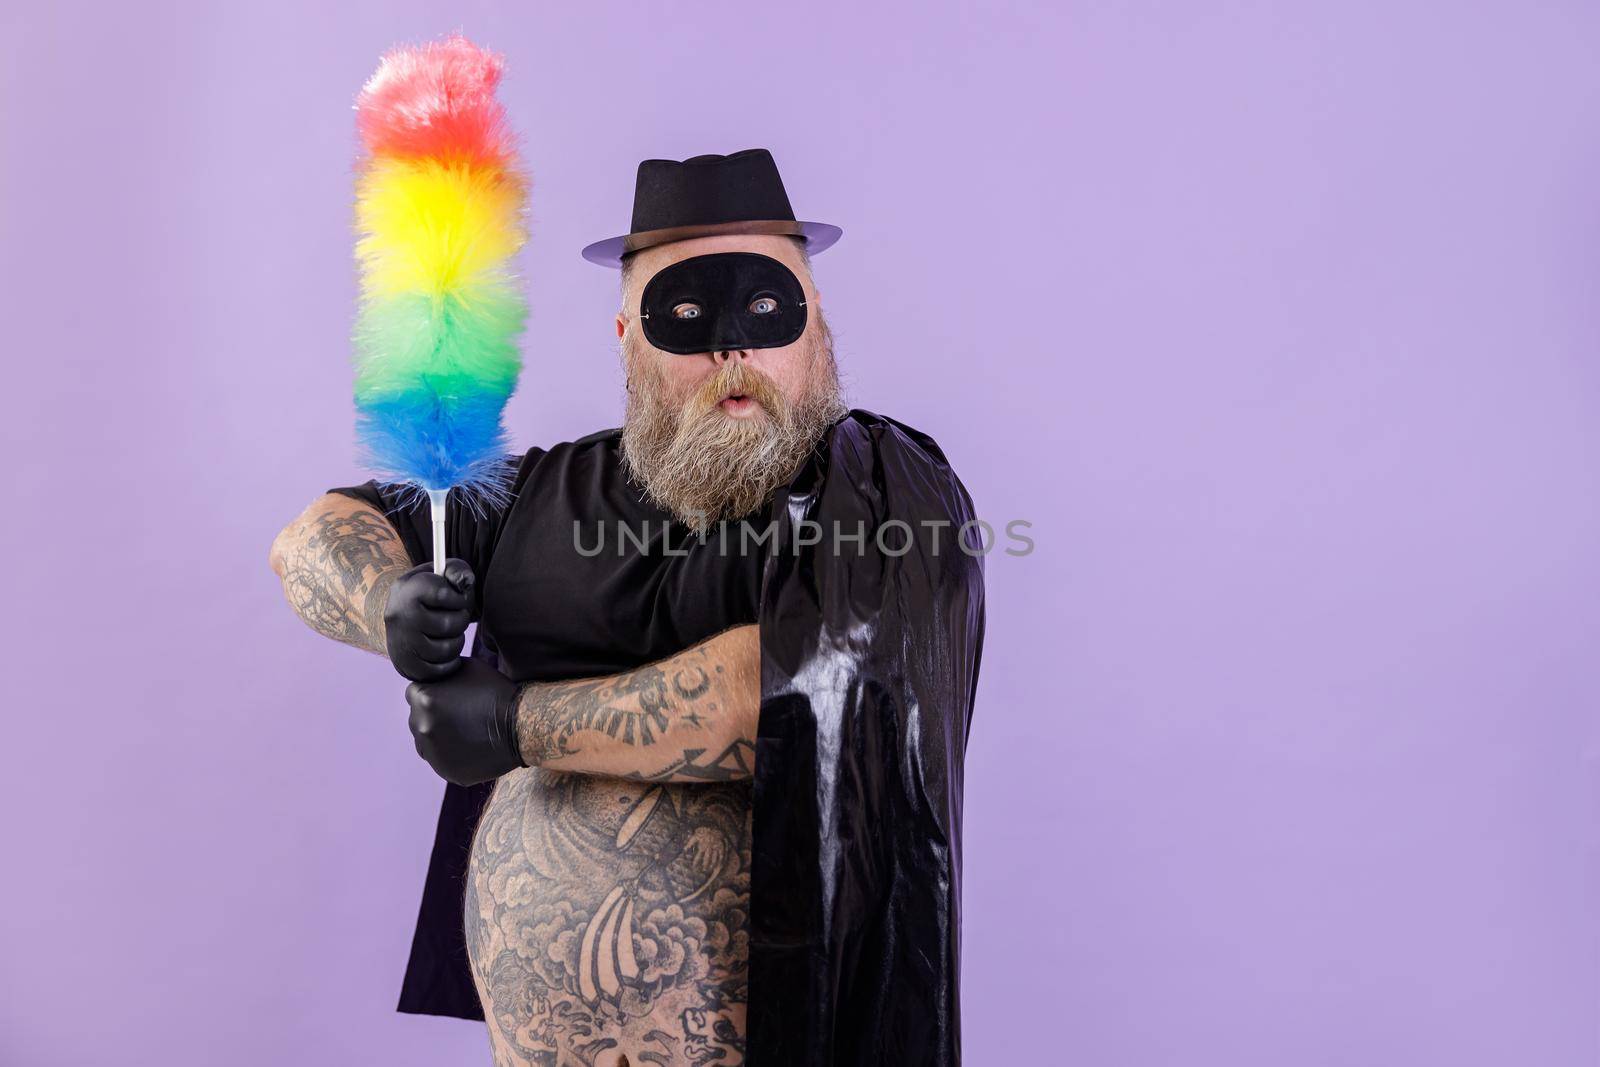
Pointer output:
738, 378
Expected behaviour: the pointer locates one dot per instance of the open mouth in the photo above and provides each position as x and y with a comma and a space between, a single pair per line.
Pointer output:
737, 403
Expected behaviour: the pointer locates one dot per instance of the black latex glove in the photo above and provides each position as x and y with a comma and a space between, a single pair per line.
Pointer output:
465, 725
425, 619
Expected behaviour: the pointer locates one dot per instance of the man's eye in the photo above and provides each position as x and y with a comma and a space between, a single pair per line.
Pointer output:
686, 311
763, 305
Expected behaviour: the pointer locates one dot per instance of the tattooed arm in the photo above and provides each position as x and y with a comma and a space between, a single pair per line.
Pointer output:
337, 562
687, 718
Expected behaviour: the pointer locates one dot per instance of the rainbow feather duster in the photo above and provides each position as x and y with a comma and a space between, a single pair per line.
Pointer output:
440, 209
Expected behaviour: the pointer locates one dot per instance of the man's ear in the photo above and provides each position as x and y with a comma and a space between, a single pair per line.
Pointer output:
622, 325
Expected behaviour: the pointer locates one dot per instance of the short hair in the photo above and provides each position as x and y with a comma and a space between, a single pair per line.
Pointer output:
799, 244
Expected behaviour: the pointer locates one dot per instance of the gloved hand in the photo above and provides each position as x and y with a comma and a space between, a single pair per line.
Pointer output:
425, 619
465, 725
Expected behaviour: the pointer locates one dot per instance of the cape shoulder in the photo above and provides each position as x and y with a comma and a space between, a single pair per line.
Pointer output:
899, 468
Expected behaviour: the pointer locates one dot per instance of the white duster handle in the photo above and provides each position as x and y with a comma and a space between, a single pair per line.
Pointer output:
436, 499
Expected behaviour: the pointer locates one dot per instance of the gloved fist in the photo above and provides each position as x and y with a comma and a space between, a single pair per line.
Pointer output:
425, 619
465, 725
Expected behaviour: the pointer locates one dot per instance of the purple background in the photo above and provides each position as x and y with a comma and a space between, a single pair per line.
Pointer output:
1278, 321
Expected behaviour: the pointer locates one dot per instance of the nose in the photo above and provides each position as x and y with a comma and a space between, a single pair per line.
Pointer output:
722, 356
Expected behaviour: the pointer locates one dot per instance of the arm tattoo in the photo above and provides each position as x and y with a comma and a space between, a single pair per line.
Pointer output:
688, 718
736, 761
337, 570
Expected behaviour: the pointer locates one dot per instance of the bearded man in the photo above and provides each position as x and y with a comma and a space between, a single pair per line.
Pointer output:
705, 754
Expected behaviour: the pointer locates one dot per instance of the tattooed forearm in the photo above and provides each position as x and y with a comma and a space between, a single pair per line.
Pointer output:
727, 764
689, 718
337, 562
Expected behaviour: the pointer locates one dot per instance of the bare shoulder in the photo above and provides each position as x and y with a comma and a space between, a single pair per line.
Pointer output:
333, 519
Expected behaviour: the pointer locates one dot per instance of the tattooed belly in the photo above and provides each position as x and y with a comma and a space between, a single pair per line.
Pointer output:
608, 918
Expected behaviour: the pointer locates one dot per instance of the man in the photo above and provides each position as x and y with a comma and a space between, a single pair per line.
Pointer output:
708, 760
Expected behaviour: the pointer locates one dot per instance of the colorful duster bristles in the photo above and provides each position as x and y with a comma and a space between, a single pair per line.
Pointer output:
440, 213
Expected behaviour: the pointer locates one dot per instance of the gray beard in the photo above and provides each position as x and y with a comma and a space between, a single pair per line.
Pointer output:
704, 466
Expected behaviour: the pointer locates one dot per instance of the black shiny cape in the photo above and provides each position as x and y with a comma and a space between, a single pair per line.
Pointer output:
869, 666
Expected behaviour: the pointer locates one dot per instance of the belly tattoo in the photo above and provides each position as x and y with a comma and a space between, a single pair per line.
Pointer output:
608, 917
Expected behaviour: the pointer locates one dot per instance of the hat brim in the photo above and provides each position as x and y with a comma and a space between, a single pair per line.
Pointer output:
609, 253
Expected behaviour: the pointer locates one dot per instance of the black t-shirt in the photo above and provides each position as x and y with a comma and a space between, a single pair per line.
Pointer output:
580, 574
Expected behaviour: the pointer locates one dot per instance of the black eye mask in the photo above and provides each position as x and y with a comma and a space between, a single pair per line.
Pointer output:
723, 301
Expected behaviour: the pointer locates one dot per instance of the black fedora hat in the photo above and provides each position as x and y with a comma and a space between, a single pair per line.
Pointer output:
707, 195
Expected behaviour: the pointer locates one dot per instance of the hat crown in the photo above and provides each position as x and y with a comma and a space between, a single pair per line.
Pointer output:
708, 189
709, 196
